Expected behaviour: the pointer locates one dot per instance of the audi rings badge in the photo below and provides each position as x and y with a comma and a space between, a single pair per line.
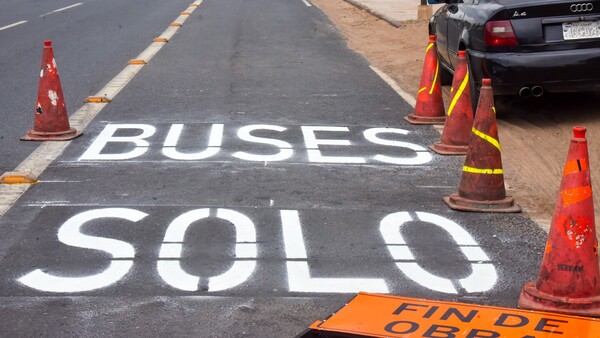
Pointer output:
583, 7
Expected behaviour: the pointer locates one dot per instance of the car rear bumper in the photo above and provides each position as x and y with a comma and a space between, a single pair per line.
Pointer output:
555, 71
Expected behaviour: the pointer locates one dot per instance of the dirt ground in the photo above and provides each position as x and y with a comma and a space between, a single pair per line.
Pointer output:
534, 134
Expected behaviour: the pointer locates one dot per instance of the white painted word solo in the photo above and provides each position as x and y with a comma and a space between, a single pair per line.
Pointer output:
482, 278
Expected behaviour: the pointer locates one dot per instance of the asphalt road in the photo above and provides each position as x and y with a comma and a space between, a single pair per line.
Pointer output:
92, 43
248, 181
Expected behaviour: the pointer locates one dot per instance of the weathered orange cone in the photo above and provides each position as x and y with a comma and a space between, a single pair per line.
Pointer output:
482, 184
459, 120
430, 105
569, 278
51, 122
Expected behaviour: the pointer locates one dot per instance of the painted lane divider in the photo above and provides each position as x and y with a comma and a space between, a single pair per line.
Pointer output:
109, 91
62, 9
13, 25
167, 34
114, 86
37, 162
52, 12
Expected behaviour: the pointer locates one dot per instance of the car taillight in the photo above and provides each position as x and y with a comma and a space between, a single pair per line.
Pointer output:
500, 34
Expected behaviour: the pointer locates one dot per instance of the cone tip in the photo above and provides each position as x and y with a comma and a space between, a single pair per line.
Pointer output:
579, 132
432, 38
47, 43
486, 82
462, 53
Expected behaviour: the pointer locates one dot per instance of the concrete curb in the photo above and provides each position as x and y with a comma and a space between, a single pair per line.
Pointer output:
382, 16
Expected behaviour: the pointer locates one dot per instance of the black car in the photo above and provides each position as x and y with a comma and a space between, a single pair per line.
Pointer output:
527, 47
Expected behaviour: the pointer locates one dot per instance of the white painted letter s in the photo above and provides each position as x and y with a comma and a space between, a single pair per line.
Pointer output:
423, 156
70, 234
244, 133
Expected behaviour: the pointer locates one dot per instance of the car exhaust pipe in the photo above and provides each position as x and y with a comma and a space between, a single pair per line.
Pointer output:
525, 92
537, 91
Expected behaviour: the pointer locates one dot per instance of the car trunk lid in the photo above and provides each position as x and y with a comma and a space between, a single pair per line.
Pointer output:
553, 25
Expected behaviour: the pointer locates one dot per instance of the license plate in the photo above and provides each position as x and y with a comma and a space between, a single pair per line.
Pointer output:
581, 30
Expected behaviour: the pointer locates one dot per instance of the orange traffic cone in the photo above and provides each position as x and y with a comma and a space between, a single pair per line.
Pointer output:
482, 184
51, 122
430, 106
459, 120
569, 278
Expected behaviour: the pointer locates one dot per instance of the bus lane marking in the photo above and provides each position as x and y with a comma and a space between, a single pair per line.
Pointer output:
170, 270
140, 135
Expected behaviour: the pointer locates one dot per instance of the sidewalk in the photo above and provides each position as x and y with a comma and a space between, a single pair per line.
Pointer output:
392, 11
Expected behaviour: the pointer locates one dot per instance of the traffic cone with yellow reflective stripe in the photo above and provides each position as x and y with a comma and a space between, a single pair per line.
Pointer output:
482, 184
430, 105
459, 120
51, 122
569, 278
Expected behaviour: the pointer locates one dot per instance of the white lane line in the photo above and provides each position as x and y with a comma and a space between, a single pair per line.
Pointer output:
65, 8
62, 9
47, 152
406, 96
307, 3
13, 25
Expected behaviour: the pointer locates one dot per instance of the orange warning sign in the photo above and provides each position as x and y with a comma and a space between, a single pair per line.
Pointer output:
374, 315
